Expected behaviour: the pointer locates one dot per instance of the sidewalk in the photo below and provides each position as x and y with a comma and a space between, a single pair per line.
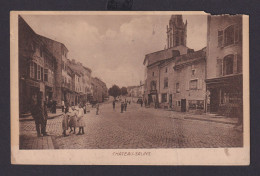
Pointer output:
50, 116
202, 117
32, 142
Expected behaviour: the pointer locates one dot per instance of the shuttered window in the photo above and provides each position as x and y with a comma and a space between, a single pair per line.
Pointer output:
193, 84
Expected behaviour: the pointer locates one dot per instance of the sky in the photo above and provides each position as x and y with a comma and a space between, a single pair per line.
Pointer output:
114, 46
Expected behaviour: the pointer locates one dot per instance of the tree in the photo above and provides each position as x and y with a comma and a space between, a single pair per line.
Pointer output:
124, 91
114, 91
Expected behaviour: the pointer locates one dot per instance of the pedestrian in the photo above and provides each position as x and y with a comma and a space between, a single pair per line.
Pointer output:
45, 118
114, 105
37, 114
62, 106
122, 107
65, 121
81, 121
125, 106
73, 120
97, 109
141, 103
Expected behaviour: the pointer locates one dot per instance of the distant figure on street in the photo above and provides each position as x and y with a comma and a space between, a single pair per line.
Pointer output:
65, 121
81, 121
73, 120
62, 105
97, 109
114, 105
122, 107
125, 105
37, 114
141, 102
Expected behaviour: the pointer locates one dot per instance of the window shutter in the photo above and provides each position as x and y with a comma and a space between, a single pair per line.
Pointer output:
235, 64
219, 67
200, 83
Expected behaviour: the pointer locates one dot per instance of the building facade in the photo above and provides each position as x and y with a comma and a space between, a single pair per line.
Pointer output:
189, 82
99, 89
224, 65
36, 68
175, 77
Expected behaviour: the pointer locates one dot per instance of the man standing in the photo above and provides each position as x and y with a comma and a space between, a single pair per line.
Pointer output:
45, 118
125, 105
141, 103
122, 107
114, 105
37, 114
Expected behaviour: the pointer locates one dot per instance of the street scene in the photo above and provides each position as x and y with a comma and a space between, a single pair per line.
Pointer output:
137, 127
130, 81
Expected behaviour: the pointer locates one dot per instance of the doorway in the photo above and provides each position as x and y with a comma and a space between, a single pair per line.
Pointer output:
183, 105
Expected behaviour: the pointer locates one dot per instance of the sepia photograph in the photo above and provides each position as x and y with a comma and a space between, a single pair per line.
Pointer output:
149, 88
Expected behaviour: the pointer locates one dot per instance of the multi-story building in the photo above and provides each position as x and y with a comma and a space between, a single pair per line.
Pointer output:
176, 42
85, 79
175, 76
188, 80
36, 67
224, 65
99, 89
60, 52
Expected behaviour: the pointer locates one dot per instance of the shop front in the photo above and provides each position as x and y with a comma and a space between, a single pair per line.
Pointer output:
225, 95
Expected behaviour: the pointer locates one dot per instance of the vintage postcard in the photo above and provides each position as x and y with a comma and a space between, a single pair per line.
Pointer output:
129, 88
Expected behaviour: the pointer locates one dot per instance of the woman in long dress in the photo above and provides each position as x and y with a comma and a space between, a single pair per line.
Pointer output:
81, 122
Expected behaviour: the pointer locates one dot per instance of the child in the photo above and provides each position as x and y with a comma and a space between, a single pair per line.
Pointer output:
73, 120
81, 122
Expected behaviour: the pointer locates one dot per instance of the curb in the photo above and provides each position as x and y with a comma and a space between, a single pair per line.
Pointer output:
210, 120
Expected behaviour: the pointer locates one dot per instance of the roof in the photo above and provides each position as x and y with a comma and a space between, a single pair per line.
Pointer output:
54, 41
165, 54
185, 59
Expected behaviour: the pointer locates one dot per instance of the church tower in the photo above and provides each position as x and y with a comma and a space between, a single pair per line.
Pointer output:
176, 31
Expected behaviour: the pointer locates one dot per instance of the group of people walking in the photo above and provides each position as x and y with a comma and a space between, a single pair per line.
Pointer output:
72, 119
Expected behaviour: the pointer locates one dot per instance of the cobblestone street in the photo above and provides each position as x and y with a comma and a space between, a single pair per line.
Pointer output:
139, 128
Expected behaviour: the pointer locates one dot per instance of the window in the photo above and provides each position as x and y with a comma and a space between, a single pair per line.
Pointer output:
196, 104
182, 40
153, 85
166, 70
220, 38
192, 70
31, 69
41, 73
228, 65
164, 97
229, 35
239, 64
177, 88
38, 72
165, 82
177, 41
193, 84
46, 75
